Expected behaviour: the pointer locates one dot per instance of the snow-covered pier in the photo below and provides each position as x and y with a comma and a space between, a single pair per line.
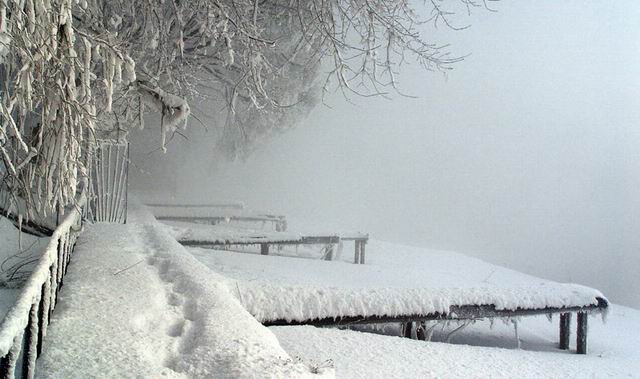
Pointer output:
195, 234
215, 213
397, 285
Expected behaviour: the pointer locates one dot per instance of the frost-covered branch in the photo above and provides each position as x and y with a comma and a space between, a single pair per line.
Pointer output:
74, 71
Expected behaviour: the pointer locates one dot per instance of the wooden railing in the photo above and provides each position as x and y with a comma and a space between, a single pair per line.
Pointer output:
25, 325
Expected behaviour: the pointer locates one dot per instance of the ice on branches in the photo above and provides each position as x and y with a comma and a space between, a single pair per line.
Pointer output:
76, 71
173, 109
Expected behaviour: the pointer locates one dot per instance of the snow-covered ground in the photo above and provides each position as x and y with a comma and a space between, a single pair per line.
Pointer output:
135, 303
15, 248
397, 280
613, 352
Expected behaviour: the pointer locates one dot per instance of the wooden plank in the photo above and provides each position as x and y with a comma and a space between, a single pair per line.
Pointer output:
581, 340
220, 218
236, 205
565, 330
464, 312
354, 237
308, 240
257, 241
312, 240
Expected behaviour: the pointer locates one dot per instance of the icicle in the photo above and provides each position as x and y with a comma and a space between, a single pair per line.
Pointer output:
86, 74
129, 70
141, 112
180, 43
118, 70
515, 326
31, 16
20, 231
109, 65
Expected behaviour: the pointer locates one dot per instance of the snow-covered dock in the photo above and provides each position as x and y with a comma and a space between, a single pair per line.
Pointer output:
222, 235
443, 286
399, 284
215, 213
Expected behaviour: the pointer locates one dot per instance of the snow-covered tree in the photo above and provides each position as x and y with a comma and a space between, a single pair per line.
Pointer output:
74, 71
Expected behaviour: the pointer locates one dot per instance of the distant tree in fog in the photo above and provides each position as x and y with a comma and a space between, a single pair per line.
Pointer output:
73, 71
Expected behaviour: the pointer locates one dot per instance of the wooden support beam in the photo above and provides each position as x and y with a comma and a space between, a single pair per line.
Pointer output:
456, 312
264, 249
362, 243
356, 255
330, 252
311, 240
420, 331
565, 330
407, 328
581, 340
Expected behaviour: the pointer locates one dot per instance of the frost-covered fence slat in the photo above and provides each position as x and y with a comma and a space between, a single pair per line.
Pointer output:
24, 327
109, 182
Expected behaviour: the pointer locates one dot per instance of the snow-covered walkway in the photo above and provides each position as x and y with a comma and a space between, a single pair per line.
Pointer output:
135, 303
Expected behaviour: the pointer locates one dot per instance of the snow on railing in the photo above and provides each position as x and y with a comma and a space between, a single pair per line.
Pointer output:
23, 328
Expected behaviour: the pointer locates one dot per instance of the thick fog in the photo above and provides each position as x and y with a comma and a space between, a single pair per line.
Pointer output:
526, 155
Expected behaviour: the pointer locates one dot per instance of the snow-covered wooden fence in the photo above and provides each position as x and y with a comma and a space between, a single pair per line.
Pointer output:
109, 182
23, 329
